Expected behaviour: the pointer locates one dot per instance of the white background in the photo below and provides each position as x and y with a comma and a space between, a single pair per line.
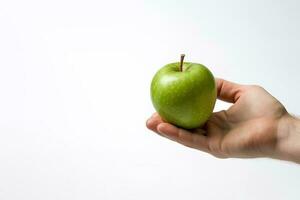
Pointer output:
74, 96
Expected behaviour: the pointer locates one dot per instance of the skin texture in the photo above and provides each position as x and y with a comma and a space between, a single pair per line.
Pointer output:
256, 125
184, 98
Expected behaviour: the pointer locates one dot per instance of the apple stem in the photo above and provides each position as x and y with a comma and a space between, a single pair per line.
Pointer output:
181, 61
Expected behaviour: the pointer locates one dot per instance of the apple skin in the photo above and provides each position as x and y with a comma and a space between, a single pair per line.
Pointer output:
184, 98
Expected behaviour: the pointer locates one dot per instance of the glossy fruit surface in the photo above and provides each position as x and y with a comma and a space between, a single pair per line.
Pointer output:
184, 98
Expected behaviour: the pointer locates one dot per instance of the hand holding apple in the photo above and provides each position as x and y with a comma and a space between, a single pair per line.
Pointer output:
255, 125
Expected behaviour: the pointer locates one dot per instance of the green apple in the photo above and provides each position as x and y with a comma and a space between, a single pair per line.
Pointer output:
184, 93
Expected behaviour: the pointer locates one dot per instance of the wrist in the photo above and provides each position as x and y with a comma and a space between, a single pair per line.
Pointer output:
288, 138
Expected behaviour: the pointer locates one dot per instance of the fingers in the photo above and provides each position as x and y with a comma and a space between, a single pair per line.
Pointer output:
228, 91
153, 121
194, 140
182, 136
198, 138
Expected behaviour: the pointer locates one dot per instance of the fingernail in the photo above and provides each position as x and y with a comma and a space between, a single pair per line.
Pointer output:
149, 121
162, 132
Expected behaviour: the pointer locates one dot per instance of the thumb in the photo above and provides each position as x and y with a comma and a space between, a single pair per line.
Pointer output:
228, 91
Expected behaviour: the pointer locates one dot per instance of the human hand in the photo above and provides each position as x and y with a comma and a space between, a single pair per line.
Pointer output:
256, 125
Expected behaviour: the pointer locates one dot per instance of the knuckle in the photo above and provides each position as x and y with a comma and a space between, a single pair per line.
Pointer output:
217, 149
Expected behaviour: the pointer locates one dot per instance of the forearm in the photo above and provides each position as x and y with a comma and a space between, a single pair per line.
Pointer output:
288, 144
